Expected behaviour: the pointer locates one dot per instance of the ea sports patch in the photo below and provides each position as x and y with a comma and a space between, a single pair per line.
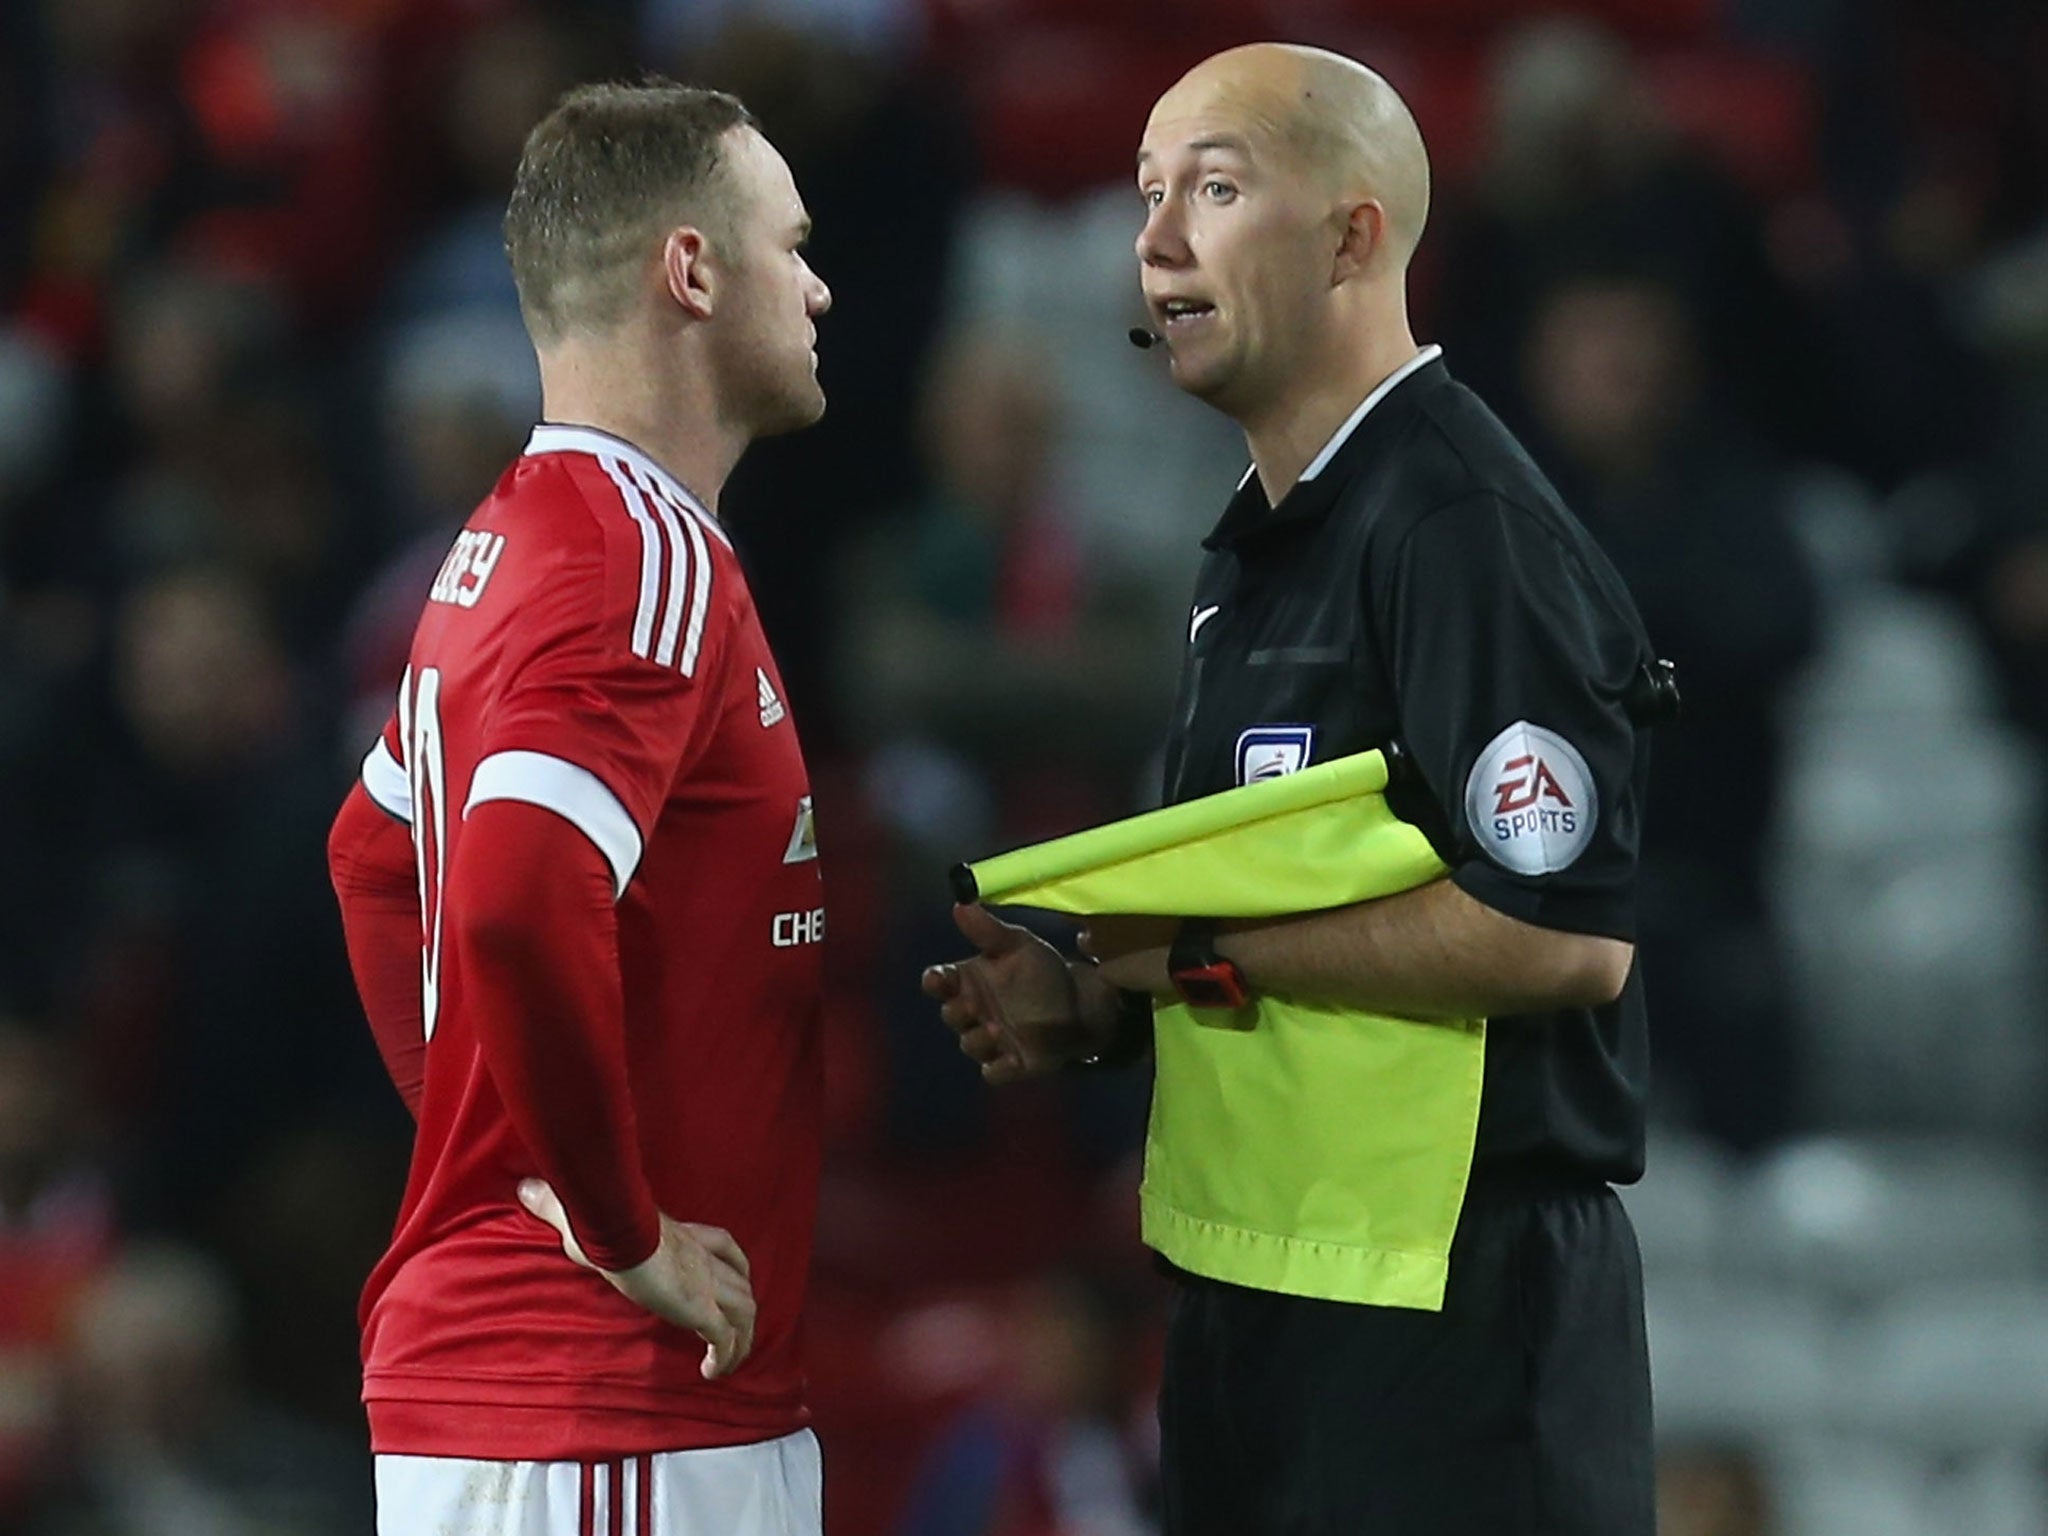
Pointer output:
1273, 751
1530, 800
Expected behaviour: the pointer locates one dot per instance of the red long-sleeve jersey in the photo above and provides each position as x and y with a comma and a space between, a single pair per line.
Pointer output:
591, 953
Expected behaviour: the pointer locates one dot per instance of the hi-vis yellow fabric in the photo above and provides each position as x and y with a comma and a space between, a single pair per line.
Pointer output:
1294, 1146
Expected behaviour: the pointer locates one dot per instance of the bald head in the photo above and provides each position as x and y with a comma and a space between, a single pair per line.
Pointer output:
1333, 118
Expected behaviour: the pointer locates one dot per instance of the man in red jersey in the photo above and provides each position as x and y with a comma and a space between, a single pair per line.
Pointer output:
581, 895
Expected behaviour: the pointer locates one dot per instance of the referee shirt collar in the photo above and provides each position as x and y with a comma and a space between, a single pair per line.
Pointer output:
1311, 495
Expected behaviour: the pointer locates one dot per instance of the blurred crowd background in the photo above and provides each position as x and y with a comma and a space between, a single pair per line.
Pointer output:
1763, 282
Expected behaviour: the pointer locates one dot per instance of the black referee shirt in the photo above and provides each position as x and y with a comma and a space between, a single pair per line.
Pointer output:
1423, 584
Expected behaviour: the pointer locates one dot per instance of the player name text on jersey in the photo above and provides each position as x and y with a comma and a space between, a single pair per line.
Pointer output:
468, 568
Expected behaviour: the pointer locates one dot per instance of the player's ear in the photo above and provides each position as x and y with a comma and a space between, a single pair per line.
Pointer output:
685, 266
1360, 238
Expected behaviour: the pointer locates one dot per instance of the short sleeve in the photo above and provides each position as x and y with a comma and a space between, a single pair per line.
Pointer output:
1511, 660
585, 723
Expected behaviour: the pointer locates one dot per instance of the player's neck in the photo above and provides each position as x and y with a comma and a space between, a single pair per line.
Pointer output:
641, 395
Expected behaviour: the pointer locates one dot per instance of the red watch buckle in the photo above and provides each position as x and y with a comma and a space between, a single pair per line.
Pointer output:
1219, 984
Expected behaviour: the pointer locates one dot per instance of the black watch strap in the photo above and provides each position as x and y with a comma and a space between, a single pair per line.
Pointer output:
1194, 945
1203, 976
1132, 1038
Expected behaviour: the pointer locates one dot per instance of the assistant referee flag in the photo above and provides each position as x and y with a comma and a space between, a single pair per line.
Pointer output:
1294, 1146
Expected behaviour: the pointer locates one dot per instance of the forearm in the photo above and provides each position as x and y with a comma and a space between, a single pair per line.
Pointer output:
1430, 953
531, 913
370, 862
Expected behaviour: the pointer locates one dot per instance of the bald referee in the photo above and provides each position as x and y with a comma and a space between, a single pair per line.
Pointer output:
1392, 571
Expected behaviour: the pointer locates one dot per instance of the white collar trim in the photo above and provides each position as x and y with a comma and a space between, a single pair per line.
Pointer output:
553, 437
1420, 360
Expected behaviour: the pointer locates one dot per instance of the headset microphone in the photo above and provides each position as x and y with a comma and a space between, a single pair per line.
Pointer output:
1143, 339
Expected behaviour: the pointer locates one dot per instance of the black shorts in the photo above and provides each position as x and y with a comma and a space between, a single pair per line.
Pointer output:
1521, 1409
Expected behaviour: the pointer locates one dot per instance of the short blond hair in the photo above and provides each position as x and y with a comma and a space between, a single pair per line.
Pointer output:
603, 176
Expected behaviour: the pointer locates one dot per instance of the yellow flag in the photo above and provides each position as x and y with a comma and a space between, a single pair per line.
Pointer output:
1323, 837
1295, 1145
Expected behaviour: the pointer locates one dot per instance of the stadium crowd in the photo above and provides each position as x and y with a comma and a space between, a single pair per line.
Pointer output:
1764, 281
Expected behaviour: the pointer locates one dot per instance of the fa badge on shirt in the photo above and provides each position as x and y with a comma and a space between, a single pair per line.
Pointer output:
1272, 751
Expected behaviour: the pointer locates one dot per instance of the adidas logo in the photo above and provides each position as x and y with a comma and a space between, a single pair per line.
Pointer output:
772, 710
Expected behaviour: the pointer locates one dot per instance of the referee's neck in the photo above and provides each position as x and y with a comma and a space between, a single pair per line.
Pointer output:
1285, 438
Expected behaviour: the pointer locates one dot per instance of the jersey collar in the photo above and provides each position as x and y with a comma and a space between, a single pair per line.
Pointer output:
555, 437
1311, 495
1384, 388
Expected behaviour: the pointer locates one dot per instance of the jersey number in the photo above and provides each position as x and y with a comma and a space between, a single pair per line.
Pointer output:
419, 722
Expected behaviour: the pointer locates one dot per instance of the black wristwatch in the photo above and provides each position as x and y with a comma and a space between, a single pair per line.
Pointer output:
1130, 1038
1202, 977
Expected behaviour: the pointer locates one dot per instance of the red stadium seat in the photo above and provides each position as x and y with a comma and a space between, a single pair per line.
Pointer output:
1060, 110
1642, 21
1060, 88
1754, 112
1457, 21
886, 1374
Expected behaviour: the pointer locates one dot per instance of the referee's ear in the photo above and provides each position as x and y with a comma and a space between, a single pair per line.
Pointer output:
1363, 245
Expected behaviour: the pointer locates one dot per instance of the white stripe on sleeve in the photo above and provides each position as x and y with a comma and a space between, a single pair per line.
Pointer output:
672, 616
651, 556
385, 783
700, 599
575, 794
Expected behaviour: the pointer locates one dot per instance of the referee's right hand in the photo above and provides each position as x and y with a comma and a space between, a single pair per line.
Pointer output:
697, 1278
1013, 1004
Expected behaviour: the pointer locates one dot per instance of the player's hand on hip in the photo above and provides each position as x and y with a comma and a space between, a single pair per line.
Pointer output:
1013, 1004
697, 1278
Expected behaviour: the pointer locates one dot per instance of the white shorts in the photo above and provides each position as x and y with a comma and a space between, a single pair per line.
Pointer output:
773, 1488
